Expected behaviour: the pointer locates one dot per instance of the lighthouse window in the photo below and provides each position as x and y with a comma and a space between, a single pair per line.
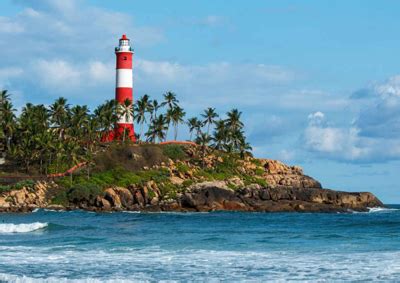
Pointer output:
125, 58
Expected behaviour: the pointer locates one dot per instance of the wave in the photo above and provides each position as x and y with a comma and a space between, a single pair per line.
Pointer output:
4, 277
381, 209
21, 228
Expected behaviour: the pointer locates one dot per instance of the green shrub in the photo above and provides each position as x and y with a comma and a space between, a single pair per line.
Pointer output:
4, 189
169, 190
174, 151
158, 176
259, 171
83, 193
248, 180
61, 198
25, 183
182, 168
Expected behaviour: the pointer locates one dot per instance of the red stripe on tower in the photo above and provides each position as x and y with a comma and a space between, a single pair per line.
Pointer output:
124, 87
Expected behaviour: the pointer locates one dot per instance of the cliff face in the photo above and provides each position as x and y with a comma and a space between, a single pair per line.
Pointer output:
287, 189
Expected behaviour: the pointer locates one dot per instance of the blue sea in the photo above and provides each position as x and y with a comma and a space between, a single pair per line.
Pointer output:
78, 246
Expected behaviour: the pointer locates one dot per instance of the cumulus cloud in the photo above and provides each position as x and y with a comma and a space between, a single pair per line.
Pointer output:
380, 115
346, 143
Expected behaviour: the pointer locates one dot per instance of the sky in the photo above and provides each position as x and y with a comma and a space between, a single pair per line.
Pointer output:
318, 82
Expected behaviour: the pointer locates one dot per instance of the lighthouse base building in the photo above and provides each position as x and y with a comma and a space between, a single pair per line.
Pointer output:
124, 92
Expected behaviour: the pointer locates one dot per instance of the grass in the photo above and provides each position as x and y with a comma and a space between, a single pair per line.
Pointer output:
17, 186
174, 151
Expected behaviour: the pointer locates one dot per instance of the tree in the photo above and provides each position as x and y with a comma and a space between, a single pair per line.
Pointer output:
220, 135
7, 121
177, 115
153, 108
233, 121
60, 115
209, 117
203, 141
194, 125
244, 148
125, 112
140, 109
157, 129
106, 114
170, 100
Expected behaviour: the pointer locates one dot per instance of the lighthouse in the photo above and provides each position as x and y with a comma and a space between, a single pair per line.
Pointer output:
124, 89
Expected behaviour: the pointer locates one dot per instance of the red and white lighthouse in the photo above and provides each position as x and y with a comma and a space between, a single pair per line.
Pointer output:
124, 87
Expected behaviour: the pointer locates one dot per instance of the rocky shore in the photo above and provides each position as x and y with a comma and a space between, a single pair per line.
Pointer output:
287, 189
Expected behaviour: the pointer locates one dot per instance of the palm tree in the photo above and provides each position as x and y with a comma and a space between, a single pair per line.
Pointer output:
194, 124
157, 129
233, 121
7, 121
177, 115
107, 116
244, 148
170, 100
153, 108
59, 112
209, 117
126, 112
203, 140
220, 135
140, 109
79, 117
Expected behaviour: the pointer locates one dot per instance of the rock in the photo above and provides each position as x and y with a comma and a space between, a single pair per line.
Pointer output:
139, 199
111, 196
125, 196
176, 180
102, 203
55, 207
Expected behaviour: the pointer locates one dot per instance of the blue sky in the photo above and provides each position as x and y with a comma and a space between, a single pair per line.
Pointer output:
318, 83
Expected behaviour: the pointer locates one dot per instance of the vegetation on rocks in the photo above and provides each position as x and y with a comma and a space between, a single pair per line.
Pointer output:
51, 139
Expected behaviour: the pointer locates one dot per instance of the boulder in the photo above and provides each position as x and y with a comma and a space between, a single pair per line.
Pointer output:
113, 198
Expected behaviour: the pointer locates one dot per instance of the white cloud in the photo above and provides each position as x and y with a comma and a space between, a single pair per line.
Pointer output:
8, 73
8, 26
57, 74
346, 143
316, 118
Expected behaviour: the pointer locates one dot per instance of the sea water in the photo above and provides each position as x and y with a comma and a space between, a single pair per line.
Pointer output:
78, 246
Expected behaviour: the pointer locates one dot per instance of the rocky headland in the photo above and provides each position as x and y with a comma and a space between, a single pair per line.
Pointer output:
250, 185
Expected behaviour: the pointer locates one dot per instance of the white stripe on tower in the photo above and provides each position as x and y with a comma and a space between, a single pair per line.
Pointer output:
124, 78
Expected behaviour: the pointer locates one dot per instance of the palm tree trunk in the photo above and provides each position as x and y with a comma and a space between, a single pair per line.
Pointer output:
176, 131
141, 131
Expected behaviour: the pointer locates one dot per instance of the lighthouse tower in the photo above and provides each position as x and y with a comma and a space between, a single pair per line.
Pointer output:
124, 87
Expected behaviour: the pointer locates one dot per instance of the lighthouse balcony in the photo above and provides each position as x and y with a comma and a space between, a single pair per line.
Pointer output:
124, 49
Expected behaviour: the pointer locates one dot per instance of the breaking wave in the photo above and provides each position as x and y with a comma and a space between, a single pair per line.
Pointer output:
21, 228
381, 209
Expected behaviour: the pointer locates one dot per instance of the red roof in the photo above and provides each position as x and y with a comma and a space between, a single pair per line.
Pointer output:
124, 37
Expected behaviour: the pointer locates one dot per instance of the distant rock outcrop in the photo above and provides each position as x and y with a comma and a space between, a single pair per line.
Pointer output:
283, 188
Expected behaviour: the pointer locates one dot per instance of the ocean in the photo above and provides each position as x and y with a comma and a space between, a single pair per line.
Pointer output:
78, 246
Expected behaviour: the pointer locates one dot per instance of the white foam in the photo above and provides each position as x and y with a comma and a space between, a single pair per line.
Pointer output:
4, 277
21, 228
155, 264
381, 209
